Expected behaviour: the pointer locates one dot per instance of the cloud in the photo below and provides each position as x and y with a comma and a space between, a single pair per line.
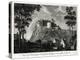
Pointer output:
59, 9
58, 13
45, 10
42, 14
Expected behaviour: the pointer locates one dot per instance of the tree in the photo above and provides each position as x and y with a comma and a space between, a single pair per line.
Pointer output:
71, 21
70, 17
22, 17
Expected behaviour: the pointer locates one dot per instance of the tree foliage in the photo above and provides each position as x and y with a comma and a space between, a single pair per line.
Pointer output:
70, 17
22, 16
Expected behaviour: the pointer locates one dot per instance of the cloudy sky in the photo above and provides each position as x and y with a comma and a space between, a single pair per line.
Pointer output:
55, 12
58, 13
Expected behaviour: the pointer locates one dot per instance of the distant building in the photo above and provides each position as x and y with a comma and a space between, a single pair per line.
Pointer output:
47, 24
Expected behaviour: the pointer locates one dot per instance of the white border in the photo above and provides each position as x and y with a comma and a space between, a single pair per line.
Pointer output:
45, 54
12, 42
39, 54
41, 3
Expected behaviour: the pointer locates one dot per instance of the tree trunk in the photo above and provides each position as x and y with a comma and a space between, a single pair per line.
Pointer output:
23, 36
19, 38
72, 30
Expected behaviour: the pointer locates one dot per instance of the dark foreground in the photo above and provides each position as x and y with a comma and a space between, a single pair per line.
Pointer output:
27, 47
